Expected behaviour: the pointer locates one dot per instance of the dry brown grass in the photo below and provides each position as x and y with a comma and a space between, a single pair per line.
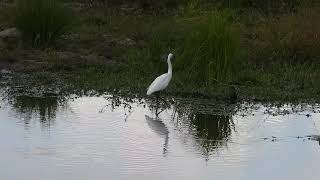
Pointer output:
291, 38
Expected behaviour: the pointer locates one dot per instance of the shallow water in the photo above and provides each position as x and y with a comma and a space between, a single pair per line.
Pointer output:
113, 138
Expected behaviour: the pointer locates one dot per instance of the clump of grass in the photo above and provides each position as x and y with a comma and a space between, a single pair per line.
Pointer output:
208, 53
41, 21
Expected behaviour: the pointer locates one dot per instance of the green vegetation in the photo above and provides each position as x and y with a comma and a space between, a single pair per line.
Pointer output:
211, 46
41, 21
268, 52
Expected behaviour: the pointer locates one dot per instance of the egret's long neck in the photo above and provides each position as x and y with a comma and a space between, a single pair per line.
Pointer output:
169, 66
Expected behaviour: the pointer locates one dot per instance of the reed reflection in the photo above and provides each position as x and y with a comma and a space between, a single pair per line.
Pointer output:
45, 108
211, 131
210, 126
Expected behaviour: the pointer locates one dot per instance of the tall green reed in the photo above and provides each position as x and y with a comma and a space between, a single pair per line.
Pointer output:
41, 21
208, 53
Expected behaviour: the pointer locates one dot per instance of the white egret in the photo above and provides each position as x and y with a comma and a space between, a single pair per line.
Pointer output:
161, 82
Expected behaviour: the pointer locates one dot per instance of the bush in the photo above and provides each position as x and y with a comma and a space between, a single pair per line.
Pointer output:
41, 21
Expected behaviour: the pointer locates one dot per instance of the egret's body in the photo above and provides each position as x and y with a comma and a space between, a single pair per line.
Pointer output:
161, 82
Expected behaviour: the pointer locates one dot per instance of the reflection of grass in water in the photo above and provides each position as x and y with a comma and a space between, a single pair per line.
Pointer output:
209, 124
44, 107
211, 130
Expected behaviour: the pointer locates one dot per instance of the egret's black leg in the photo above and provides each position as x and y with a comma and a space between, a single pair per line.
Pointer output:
157, 113
157, 97
163, 100
157, 103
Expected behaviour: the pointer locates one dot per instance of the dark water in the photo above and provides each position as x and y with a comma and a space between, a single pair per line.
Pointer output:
112, 138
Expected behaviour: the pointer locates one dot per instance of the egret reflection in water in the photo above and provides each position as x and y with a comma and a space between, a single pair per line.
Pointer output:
159, 128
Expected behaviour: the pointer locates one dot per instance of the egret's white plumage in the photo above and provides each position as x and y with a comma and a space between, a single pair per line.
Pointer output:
161, 82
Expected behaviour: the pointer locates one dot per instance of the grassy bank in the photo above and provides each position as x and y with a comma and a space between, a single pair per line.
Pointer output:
221, 50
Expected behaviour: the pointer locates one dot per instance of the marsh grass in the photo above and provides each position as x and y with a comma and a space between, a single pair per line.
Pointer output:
276, 57
209, 52
41, 21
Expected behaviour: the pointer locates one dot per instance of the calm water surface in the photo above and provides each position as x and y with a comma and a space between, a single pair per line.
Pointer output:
111, 138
